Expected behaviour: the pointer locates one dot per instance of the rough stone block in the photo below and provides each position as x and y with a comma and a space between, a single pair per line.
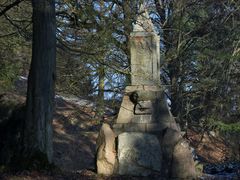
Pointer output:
129, 127
126, 111
142, 119
169, 124
145, 58
106, 153
154, 127
152, 88
170, 139
138, 154
132, 88
145, 95
118, 126
144, 107
153, 103
183, 166
146, 88
135, 127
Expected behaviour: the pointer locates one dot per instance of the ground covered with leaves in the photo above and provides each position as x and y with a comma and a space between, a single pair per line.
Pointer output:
76, 127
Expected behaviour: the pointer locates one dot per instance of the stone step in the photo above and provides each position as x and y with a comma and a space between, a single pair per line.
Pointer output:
143, 127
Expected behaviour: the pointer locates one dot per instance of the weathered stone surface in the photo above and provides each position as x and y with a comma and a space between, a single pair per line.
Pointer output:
135, 127
147, 95
145, 58
126, 112
183, 166
143, 22
144, 108
138, 127
161, 110
169, 122
177, 157
170, 139
147, 88
156, 111
154, 127
142, 119
145, 52
138, 154
106, 153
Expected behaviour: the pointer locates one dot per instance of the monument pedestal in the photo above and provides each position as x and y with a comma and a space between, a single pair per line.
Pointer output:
138, 126
151, 115
149, 141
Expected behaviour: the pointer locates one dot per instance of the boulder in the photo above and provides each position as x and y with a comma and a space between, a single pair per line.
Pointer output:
170, 138
106, 153
139, 154
183, 165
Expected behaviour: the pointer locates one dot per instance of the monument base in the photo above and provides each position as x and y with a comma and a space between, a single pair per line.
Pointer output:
145, 127
139, 154
148, 140
154, 115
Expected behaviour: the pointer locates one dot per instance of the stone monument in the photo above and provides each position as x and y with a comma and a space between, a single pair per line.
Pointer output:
149, 112
145, 52
146, 132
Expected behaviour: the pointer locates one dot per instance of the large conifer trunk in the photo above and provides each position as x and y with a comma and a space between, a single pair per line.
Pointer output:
37, 135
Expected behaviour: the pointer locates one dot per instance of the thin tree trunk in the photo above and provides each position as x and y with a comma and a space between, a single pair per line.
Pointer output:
101, 90
37, 134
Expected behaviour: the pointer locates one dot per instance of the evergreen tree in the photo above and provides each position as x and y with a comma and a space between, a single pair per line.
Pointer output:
37, 134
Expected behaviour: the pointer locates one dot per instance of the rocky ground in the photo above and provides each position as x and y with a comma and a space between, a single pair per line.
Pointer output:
75, 131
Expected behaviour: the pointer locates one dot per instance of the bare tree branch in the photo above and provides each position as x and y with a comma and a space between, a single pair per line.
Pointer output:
10, 6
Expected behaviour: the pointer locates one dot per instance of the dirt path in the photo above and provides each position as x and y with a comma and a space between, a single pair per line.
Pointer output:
75, 133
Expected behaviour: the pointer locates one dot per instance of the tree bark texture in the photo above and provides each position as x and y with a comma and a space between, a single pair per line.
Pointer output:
37, 135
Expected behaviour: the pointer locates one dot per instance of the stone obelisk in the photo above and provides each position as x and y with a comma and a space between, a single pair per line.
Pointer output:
149, 112
145, 52
144, 112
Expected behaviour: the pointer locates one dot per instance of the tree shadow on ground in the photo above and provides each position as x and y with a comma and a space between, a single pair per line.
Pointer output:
74, 138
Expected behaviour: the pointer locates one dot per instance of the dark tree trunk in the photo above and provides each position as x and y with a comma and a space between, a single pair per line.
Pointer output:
101, 72
37, 134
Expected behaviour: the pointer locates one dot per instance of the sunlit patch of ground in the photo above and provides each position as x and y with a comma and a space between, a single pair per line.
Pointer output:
210, 148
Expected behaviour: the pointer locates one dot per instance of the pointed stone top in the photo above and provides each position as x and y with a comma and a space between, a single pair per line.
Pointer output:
143, 23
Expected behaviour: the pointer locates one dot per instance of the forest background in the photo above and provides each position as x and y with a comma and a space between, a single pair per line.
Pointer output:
200, 54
